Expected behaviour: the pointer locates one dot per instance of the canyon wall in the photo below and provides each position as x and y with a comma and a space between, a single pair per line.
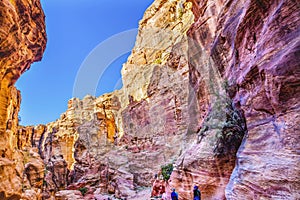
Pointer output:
253, 47
211, 87
22, 41
116, 143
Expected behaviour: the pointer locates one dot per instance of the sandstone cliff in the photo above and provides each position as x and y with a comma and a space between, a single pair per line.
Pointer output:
253, 46
117, 142
211, 87
22, 41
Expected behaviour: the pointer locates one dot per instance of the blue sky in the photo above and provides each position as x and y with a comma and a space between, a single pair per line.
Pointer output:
74, 29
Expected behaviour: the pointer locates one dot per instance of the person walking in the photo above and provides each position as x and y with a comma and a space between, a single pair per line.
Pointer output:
174, 195
197, 193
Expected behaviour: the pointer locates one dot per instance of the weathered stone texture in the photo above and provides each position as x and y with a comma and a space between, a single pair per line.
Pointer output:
22, 41
253, 47
210, 86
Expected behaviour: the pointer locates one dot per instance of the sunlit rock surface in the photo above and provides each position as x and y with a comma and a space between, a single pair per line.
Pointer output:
210, 86
22, 41
116, 143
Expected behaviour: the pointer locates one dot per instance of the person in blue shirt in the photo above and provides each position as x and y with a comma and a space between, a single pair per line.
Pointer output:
174, 195
197, 193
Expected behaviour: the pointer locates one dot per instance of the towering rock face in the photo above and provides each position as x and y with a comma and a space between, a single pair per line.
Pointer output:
210, 86
253, 48
266, 69
116, 143
22, 41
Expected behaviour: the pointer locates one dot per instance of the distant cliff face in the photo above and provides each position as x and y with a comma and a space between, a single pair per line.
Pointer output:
117, 142
211, 87
22, 41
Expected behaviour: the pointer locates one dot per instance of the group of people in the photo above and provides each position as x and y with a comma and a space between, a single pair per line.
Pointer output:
174, 194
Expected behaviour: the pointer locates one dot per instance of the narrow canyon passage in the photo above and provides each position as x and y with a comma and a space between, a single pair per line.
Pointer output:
210, 97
